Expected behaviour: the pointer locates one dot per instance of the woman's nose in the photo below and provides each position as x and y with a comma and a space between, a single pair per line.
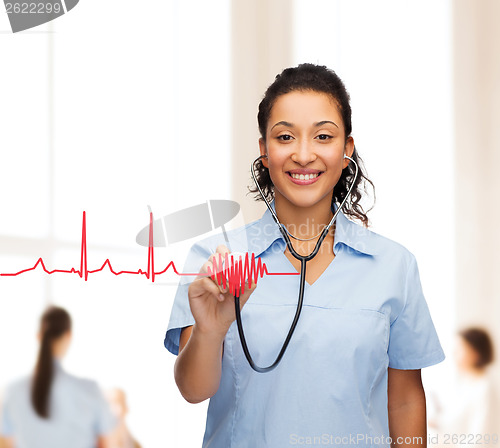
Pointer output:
303, 153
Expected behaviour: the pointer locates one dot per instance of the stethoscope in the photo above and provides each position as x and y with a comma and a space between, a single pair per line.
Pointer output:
303, 260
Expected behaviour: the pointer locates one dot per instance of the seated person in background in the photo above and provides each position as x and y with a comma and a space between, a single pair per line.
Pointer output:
122, 438
467, 412
51, 408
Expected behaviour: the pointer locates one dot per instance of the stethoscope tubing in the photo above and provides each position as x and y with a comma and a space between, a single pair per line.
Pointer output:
303, 262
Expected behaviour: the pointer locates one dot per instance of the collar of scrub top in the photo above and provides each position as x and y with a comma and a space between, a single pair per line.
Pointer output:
347, 232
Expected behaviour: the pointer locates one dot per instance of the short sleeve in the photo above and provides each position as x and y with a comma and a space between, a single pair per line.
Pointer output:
413, 341
105, 420
181, 315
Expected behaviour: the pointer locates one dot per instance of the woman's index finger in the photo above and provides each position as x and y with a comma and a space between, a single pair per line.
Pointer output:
222, 249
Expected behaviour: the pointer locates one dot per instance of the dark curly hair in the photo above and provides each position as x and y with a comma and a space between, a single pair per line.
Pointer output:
317, 78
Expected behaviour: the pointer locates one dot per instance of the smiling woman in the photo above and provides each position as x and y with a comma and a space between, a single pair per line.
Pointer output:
352, 367
304, 147
300, 93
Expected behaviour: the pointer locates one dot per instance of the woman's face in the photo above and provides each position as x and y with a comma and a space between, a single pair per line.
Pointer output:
305, 144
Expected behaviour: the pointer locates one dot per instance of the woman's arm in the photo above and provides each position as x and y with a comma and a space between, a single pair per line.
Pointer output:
198, 366
406, 406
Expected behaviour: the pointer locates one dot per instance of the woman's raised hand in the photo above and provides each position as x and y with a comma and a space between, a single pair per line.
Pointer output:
212, 305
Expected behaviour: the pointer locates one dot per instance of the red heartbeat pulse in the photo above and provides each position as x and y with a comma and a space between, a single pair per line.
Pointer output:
234, 271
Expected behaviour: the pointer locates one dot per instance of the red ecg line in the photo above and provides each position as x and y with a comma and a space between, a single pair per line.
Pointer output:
236, 273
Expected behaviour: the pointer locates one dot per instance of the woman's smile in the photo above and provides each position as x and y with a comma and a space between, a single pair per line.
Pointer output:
304, 176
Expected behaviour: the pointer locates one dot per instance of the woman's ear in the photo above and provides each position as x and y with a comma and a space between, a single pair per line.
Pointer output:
263, 152
348, 151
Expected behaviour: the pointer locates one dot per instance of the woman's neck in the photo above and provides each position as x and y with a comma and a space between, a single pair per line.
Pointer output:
306, 222
303, 222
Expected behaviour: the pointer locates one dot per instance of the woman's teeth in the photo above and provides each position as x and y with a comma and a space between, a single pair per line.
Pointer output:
304, 176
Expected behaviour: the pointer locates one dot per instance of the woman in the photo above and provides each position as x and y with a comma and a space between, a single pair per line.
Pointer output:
53, 408
351, 374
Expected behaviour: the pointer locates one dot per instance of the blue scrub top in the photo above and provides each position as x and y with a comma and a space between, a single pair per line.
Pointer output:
79, 414
365, 313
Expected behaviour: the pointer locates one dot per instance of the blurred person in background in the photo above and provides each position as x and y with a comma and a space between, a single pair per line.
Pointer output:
467, 415
51, 408
122, 437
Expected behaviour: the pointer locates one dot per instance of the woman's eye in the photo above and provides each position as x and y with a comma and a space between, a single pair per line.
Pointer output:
324, 137
285, 137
